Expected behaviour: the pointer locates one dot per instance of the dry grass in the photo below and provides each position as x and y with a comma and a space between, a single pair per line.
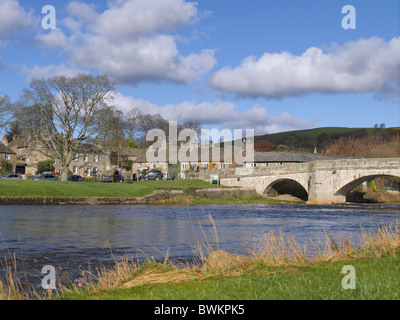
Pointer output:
281, 250
11, 287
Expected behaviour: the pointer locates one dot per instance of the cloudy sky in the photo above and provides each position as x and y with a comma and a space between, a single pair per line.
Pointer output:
268, 65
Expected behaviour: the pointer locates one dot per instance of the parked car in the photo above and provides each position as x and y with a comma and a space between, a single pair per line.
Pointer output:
11, 176
47, 177
75, 177
152, 175
113, 178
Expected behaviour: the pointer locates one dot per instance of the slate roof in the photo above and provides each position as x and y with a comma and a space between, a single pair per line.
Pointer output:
5, 149
201, 149
278, 157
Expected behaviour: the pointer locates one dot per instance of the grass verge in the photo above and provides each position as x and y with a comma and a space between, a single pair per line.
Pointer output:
30, 188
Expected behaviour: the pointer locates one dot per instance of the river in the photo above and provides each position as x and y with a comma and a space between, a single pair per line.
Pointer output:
77, 238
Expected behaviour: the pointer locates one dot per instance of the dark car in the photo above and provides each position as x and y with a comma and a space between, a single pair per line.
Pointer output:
152, 175
75, 177
113, 178
47, 177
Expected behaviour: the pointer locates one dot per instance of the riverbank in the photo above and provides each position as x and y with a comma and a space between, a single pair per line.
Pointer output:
180, 192
276, 268
273, 266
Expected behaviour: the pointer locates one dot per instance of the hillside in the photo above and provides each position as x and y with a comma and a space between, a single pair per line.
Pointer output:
308, 139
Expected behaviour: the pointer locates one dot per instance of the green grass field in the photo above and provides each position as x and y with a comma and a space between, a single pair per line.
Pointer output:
376, 279
30, 188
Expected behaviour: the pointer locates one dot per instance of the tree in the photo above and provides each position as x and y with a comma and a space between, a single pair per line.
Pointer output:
6, 114
263, 146
66, 108
14, 129
282, 148
111, 123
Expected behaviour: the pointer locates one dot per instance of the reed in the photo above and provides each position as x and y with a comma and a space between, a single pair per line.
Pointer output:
281, 250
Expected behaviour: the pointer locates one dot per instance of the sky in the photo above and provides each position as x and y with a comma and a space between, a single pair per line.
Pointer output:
267, 65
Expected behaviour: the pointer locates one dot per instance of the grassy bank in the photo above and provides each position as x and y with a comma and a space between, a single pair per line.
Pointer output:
30, 188
245, 199
276, 267
375, 279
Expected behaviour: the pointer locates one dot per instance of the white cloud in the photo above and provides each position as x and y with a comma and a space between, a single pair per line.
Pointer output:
366, 65
13, 17
144, 17
54, 39
38, 72
131, 40
219, 114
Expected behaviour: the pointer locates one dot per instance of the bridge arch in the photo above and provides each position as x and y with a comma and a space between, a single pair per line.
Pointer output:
344, 190
286, 186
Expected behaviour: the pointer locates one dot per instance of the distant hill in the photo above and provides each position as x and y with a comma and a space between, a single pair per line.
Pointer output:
307, 140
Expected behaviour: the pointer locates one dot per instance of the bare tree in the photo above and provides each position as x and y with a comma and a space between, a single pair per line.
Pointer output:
6, 114
110, 120
131, 124
66, 108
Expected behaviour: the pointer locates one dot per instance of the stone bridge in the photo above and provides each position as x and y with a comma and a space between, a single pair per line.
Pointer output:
318, 182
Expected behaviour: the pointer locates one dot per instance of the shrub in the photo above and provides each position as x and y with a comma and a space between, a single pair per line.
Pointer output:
43, 166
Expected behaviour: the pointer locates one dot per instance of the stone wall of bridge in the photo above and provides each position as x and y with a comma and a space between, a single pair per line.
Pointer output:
326, 182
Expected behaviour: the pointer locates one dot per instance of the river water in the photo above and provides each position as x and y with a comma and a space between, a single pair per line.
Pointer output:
78, 238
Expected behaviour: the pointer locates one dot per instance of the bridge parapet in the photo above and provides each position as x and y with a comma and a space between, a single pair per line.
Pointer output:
367, 163
326, 181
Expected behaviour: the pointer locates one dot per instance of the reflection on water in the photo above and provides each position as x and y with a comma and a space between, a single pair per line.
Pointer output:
75, 238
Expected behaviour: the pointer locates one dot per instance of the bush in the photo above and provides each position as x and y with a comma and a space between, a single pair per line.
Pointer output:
373, 146
6, 167
174, 170
43, 166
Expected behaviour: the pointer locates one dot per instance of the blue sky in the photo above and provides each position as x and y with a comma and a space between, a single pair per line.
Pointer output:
268, 65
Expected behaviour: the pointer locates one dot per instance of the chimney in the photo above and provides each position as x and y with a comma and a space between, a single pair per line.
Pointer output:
15, 137
5, 141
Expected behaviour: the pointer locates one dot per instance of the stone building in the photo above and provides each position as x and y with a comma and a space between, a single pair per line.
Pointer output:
7, 154
89, 161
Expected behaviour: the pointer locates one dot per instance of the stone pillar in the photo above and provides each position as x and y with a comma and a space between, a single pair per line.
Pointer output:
321, 189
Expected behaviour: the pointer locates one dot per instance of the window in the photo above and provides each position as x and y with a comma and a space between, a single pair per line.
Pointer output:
96, 158
75, 170
88, 170
29, 160
76, 157
86, 158
95, 171
8, 157
54, 160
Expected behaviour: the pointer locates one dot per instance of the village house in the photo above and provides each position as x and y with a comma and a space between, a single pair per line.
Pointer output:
89, 160
199, 157
7, 155
127, 160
